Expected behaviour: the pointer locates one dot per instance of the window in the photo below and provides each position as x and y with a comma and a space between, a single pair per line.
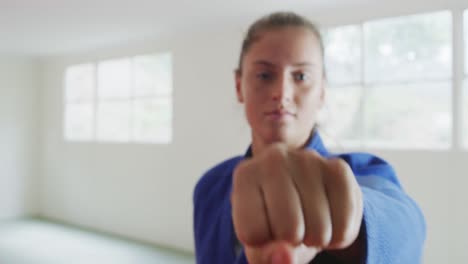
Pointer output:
343, 62
79, 97
401, 96
120, 100
465, 85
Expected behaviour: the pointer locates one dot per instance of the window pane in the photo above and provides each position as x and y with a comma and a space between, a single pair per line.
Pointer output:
341, 115
153, 75
153, 120
343, 55
113, 121
409, 116
465, 112
114, 79
416, 47
466, 41
79, 83
78, 121
465, 90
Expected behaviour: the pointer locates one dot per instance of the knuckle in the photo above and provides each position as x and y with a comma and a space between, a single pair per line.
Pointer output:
291, 234
339, 173
321, 238
314, 157
240, 175
302, 157
252, 237
344, 237
243, 236
339, 167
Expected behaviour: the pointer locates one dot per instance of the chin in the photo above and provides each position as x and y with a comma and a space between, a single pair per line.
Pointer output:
279, 136
288, 136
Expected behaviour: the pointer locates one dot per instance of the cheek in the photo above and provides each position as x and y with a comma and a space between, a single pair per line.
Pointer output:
309, 103
254, 98
252, 109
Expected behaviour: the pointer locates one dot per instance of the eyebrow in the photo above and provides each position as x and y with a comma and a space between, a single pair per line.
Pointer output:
307, 64
270, 64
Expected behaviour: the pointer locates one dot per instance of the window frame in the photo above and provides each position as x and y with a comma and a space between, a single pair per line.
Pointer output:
131, 99
462, 33
363, 141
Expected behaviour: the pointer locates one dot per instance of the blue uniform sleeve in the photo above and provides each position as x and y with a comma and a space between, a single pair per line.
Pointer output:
213, 233
241, 259
395, 228
206, 215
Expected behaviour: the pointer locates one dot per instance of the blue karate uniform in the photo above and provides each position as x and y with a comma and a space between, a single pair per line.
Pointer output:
393, 225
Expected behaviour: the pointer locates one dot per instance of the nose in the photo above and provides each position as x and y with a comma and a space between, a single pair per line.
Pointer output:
282, 89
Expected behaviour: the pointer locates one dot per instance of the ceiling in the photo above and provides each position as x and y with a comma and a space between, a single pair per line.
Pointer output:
49, 27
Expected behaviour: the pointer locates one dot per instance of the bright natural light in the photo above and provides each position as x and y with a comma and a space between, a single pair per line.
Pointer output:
343, 62
121, 100
341, 115
413, 48
343, 55
113, 121
465, 26
114, 79
153, 76
396, 93
408, 73
153, 90
413, 115
465, 90
79, 98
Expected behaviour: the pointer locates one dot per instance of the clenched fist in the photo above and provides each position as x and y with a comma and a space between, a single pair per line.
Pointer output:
289, 204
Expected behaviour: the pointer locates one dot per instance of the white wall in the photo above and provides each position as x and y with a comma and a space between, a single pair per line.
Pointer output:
437, 180
19, 79
144, 191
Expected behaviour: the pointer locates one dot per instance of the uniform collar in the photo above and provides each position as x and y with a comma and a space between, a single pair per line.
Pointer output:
313, 143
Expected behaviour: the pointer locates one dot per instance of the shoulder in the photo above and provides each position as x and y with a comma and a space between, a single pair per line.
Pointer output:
366, 164
216, 180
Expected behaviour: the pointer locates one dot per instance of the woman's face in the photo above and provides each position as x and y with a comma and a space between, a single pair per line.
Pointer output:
281, 84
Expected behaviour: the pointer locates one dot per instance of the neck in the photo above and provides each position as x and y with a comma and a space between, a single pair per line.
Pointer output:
258, 144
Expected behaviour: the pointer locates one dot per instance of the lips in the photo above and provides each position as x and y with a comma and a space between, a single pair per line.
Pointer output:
279, 113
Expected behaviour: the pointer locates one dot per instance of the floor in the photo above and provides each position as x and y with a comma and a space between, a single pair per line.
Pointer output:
35, 241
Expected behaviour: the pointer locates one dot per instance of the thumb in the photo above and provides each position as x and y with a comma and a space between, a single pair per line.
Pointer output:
277, 252
281, 253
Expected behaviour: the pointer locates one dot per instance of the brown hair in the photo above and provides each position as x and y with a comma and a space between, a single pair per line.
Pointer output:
274, 21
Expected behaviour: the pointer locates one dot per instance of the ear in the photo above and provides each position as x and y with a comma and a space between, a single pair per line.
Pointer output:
240, 96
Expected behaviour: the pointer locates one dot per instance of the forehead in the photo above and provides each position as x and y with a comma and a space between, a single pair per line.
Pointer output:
285, 46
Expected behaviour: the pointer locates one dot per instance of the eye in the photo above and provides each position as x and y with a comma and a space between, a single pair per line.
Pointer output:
300, 76
265, 76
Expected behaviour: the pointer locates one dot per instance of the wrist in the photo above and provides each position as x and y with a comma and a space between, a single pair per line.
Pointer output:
356, 252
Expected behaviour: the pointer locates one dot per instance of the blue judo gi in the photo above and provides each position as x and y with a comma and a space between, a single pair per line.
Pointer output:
393, 225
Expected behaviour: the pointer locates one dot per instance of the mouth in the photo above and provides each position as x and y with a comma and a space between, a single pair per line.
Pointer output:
279, 114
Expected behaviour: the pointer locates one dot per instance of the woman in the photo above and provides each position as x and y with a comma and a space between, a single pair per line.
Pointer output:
288, 200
